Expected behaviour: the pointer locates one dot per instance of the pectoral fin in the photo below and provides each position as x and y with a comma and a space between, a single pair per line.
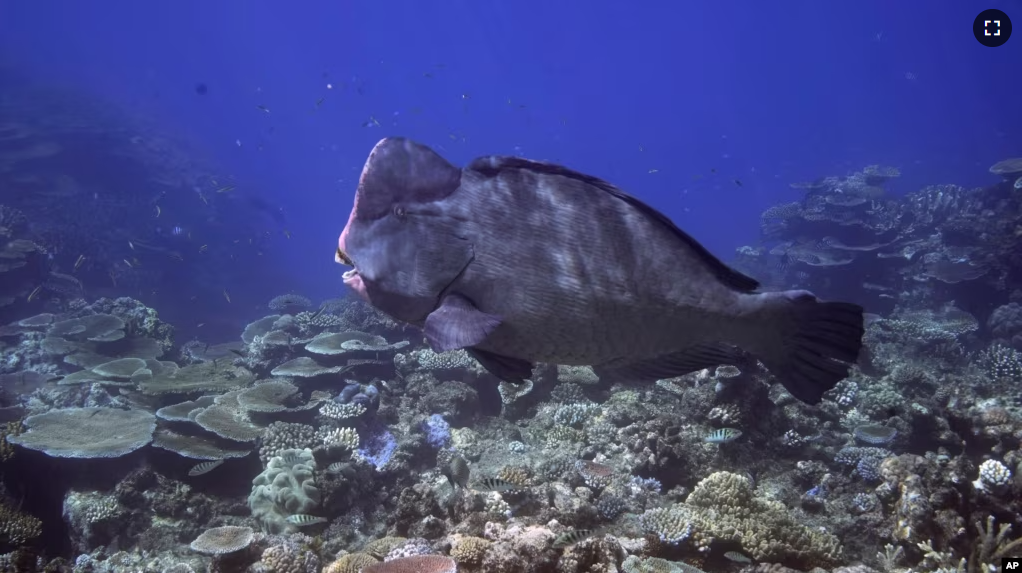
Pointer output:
457, 323
675, 364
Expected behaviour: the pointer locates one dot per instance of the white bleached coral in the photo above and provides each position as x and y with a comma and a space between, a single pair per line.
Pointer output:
993, 475
342, 411
341, 437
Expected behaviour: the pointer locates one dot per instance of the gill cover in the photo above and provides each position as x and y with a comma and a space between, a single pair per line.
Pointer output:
401, 237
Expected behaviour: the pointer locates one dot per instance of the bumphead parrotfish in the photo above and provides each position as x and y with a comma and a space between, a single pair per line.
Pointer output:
521, 261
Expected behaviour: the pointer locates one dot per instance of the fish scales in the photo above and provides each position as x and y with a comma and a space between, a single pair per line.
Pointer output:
571, 304
519, 261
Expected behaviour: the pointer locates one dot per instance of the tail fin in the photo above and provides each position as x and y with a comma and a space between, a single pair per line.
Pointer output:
814, 342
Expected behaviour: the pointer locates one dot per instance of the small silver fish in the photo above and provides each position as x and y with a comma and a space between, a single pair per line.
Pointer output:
204, 467
572, 537
304, 520
495, 484
737, 557
722, 436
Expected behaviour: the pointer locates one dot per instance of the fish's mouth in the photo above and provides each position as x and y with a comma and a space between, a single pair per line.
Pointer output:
342, 258
354, 280
350, 277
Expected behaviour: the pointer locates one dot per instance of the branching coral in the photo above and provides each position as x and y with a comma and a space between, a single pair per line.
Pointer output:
991, 546
723, 507
17, 528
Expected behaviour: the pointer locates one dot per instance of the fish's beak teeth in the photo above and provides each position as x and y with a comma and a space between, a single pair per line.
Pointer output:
340, 257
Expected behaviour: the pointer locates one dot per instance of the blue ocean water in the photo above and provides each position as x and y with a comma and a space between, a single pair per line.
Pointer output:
202, 158
674, 102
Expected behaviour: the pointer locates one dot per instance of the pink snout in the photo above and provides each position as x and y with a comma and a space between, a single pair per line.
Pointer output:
354, 280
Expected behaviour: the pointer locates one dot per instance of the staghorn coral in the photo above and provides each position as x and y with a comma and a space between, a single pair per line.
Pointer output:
1001, 363
991, 546
17, 528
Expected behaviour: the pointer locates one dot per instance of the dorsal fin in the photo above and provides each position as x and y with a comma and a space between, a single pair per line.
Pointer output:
492, 166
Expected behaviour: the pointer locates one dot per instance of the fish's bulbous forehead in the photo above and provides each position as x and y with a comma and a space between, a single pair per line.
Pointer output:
401, 171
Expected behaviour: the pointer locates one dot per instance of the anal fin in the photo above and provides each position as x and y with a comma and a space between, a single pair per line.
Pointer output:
514, 370
457, 323
674, 364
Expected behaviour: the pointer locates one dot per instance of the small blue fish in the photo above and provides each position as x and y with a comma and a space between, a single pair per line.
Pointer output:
722, 436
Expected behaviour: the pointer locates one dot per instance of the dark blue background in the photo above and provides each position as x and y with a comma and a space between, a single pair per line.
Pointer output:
769, 93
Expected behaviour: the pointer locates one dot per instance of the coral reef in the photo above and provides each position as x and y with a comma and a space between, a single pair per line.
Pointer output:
331, 439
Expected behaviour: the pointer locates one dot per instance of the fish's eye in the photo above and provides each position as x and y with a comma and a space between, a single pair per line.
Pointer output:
340, 257
399, 211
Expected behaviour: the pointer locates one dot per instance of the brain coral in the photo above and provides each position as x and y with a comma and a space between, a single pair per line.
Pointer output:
87, 432
286, 487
